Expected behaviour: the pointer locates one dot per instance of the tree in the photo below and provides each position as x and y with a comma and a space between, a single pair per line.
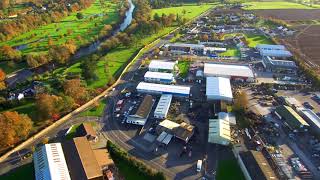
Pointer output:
88, 67
2, 78
4, 4
76, 90
241, 102
205, 37
79, 15
8, 53
47, 105
15, 127
156, 17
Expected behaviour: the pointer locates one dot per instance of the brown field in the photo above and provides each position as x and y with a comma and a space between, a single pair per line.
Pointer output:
290, 15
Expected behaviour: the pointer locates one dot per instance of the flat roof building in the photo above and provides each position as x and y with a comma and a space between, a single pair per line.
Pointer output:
275, 53
218, 88
256, 166
158, 77
270, 47
292, 118
161, 66
81, 160
182, 91
163, 106
219, 132
140, 117
231, 118
181, 131
86, 130
183, 48
233, 72
50, 163
312, 119
274, 65
292, 102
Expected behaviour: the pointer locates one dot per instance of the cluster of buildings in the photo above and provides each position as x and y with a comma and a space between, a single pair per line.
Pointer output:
74, 159
276, 58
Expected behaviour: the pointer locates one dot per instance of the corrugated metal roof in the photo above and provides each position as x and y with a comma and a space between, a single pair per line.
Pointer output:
292, 118
312, 116
227, 70
158, 64
219, 128
159, 75
163, 104
163, 88
219, 87
271, 47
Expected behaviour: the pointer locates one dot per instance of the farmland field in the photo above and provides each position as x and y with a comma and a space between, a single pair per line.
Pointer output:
275, 5
191, 10
291, 15
80, 30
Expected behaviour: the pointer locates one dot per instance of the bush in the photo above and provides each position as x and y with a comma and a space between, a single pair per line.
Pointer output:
119, 155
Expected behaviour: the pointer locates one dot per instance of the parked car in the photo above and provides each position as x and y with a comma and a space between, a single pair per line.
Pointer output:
308, 105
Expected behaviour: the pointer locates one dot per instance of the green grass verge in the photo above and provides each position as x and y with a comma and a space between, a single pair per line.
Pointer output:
229, 169
22, 172
231, 52
191, 10
87, 28
275, 5
95, 111
254, 40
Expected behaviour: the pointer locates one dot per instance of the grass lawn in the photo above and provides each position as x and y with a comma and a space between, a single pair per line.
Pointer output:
253, 40
87, 28
192, 10
231, 52
27, 108
22, 172
74, 127
275, 5
95, 111
229, 169
183, 68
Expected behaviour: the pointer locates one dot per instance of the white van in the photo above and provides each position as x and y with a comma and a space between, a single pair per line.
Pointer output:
199, 165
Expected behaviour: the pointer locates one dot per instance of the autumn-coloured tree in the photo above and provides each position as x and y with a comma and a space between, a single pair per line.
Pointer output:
2, 78
14, 128
4, 4
8, 53
76, 90
47, 105
241, 101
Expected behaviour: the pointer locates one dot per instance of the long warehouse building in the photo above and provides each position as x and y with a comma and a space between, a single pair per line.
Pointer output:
158, 77
162, 66
218, 88
179, 91
163, 106
233, 72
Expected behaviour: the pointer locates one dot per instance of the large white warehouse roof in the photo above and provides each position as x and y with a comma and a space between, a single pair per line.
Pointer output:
163, 105
50, 163
158, 75
227, 70
312, 116
162, 88
275, 53
157, 64
218, 88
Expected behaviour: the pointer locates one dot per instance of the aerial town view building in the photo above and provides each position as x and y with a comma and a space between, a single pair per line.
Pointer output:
158, 89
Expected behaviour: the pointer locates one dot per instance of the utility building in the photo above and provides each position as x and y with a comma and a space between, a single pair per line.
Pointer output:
162, 66
312, 119
142, 114
163, 106
159, 77
219, 131
152, 88
233, 72
273, 50
182, 48
291, 118
218, 88
280, 66
50, 163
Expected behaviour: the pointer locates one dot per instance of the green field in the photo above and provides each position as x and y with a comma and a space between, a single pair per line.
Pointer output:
22, 172
87, 28
229, 169
231, 52
254, 40
191, 10
275, 5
